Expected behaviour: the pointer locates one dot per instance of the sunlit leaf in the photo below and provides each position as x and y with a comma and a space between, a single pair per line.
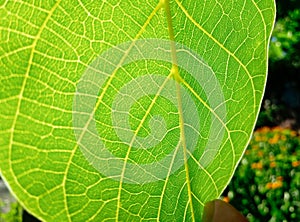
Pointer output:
128, 110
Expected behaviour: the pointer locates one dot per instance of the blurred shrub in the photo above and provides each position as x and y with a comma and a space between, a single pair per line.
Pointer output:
265, 186
14, 214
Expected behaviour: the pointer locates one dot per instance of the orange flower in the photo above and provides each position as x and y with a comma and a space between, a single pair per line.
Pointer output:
273, 164
226, 199
277, 129
274, 185
260, 153
274, 139
257, 165
283, 137
269, 185
279, 178
257, 138
293, 133
264, 129
296, 163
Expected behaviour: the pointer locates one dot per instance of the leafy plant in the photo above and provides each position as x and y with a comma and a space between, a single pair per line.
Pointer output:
13, 215
121, 110
266, 184
283, 91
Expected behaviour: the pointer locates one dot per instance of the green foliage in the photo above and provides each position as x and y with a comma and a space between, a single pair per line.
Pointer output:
283, 88
13, 215
285, 39
266, 184
69, 149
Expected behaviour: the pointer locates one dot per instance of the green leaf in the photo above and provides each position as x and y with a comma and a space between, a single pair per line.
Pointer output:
128, 111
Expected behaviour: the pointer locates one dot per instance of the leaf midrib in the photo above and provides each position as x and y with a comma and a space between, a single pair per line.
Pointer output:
176, 75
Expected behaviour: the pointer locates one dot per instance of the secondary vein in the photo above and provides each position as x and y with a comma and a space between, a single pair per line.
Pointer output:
129, 149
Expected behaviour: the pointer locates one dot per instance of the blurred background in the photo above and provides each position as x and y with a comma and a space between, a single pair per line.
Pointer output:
281, 105
266, 184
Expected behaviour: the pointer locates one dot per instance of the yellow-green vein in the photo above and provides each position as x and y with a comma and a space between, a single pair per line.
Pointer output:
176, 76
221, 46
21, 94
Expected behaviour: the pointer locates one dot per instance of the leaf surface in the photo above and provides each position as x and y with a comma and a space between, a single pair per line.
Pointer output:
128, 111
